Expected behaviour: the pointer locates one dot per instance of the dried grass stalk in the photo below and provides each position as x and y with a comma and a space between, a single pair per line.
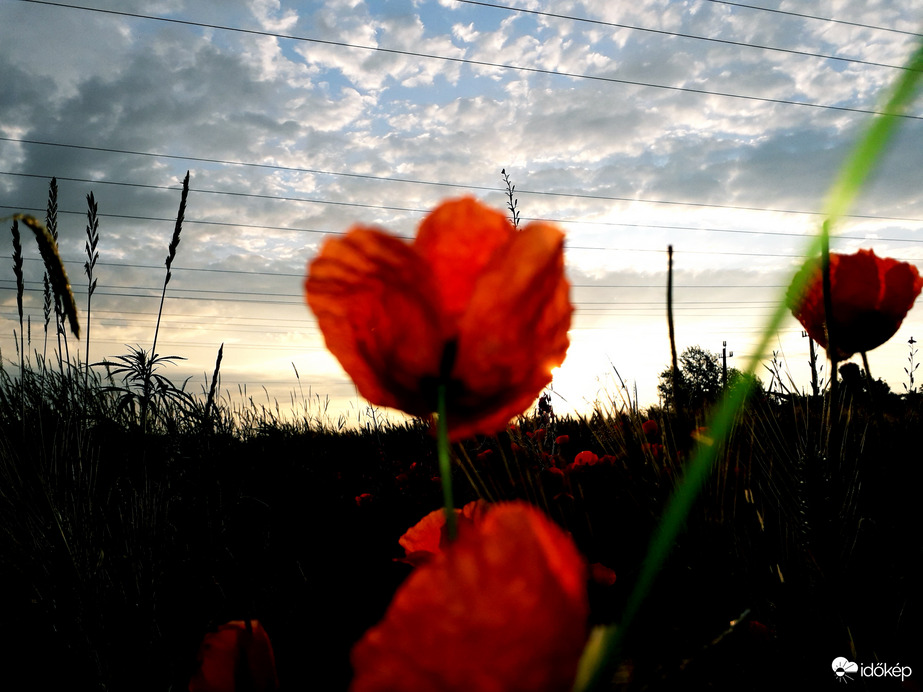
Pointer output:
57, 275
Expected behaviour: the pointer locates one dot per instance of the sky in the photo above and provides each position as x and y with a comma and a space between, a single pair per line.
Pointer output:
714, 127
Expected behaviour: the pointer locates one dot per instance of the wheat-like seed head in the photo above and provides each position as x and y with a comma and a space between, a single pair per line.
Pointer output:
54, 265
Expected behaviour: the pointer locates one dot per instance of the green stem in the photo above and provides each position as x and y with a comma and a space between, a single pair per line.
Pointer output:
445, 463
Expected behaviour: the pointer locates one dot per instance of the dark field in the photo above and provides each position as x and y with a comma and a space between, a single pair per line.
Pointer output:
122, 544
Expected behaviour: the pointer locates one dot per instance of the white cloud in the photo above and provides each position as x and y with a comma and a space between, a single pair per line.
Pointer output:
271, 17
137, 85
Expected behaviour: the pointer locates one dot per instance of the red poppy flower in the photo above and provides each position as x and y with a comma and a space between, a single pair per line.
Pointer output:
650, 427
427, 537
538, 435
870, 297
502, 608
236, 658
602, 575
471, 303
586, 459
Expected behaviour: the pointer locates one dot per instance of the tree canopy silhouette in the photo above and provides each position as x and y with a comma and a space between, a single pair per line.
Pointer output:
701, 374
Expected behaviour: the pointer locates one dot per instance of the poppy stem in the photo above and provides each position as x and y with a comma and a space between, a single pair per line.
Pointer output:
828, 307
445, 465
873, 395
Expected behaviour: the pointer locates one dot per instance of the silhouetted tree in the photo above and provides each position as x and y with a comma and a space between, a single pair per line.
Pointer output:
700, 370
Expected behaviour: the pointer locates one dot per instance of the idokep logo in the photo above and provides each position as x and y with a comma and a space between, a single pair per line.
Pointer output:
845, 670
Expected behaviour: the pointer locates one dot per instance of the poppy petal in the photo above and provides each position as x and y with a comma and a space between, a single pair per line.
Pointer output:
870, 296
428, 536
457, 240
513, 332
424, 539
858, 284
502, 609
902, 284
372, 295
234, 658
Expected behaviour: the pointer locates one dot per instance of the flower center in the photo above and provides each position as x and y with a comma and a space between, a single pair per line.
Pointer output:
429, 385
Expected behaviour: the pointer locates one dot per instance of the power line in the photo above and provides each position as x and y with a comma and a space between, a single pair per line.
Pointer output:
469, 61
248, 164
820, 19
177, 268
675, 34
81, 290
308, 200
568, 247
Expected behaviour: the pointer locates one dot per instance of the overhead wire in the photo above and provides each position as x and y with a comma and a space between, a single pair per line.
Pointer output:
418, 210
468, 61
830, 20
677, 34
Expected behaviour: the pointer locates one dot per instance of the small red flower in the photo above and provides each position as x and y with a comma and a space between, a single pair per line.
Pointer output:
602, 575
870, 297
649, 427
472, 304
554, 475
236, 658
655, 449
428, 537
502, 608
586, 459
538, 435
364, 499
562, 440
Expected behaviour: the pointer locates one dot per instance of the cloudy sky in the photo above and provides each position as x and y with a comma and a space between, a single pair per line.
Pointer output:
713, 126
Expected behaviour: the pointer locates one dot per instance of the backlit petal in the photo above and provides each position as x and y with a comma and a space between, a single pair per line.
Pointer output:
902, 285
373, 298
502, 609
457, 240
425, 539
513, 332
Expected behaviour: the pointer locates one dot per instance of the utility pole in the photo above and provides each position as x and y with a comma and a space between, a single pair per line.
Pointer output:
724, 363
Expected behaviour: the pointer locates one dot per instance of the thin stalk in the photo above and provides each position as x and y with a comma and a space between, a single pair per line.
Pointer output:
445, 463
171, 255
873, 396
210, 401
46, 308
20, 287
828, 308
677, 383
513, 203
51, 223
92, 256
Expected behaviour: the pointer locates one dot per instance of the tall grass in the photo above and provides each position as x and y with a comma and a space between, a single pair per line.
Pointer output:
92, 255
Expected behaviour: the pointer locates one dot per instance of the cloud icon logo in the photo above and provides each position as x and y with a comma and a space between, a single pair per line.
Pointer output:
842, 667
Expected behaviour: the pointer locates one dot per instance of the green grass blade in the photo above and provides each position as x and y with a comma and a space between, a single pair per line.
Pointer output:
864, 156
